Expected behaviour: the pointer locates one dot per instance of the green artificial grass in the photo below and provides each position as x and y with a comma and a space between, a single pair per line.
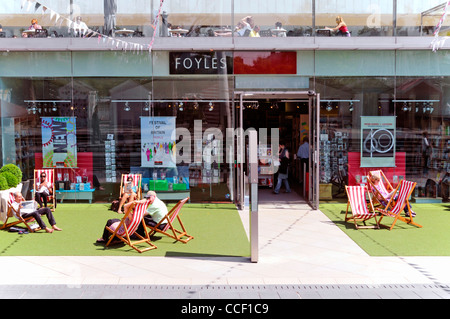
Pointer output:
403, 240
217, 231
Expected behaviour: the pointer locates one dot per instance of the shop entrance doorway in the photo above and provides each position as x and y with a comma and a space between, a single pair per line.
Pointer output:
279, 118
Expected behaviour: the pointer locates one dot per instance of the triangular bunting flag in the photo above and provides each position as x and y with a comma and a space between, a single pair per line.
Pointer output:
29, 5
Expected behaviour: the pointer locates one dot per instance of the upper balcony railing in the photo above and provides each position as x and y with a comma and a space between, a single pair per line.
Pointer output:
221, 18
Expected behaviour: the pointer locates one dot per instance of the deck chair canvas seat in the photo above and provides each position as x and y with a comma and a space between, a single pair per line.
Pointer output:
405, 189
125, 229
378, 199
12, 213
169, 229
49, 178
137, 181
361, 211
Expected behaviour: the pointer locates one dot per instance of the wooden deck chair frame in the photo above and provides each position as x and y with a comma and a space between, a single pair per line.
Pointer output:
12, 213
361, 211
169, 230
124, 231
50, 177
379, 199
405, 189
137, 181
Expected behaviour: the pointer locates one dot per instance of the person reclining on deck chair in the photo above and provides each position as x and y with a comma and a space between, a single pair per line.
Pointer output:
129, 193
153, 215
376, 180
16, 204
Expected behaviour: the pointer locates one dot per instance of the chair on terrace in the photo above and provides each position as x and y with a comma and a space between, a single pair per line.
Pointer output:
41, 33
385, 185
361, 211
50, 179
14, 213
405, 189
137, 180
128, 226
265, 33
169, 229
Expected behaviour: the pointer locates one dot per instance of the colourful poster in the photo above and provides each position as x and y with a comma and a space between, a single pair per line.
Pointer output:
59, 141
158, 146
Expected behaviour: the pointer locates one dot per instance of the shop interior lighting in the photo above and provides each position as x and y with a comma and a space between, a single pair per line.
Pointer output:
37, 105
211, 106
181, 106
329, 107
407, 107
427, 105
127, 107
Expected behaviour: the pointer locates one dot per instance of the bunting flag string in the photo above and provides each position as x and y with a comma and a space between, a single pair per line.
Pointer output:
438, 41
88, 34
155, 26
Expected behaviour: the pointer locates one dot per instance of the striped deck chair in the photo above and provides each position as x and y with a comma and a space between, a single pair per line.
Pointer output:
386, 187
137, 181
405, 189
128, 226
13, 213
360, 209
49, 178
169, 229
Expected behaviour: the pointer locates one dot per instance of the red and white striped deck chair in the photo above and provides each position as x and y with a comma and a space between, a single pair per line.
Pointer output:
12, 213
405, 189
361, 211
128, 226
384, 184
137, 181
49, 178
169, 229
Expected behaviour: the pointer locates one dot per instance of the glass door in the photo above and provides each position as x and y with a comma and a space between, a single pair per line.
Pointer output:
314, 133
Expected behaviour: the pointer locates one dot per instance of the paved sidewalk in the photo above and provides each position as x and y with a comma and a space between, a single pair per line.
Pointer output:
302, 254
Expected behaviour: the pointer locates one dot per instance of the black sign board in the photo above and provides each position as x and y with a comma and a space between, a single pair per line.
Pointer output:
213, 62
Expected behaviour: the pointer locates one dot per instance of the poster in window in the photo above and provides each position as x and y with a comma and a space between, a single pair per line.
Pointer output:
158, 145
378, 137
59, 142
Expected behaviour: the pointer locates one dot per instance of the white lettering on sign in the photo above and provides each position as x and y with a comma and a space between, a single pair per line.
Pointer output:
204, 63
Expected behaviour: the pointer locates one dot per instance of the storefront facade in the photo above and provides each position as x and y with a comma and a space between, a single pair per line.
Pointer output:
172, 113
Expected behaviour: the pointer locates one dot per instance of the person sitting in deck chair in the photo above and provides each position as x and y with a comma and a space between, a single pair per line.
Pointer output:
128, 193
376, 180
36, 214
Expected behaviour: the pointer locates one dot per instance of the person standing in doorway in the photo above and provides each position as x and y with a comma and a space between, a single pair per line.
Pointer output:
426, 152
303, 155
283, 169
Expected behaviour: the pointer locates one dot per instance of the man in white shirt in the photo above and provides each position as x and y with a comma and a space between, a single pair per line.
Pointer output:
36, 214
155, 211
79, 27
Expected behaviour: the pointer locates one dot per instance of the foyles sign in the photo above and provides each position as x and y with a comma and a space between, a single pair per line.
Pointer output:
201, 62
